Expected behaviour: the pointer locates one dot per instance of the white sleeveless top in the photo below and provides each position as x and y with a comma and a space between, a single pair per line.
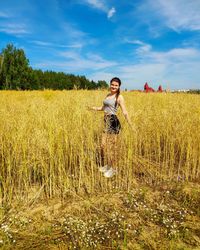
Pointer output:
109, 106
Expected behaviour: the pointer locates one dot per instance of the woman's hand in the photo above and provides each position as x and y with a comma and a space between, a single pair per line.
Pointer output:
89, 108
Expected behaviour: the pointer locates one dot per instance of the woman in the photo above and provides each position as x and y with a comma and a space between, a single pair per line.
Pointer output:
112, 126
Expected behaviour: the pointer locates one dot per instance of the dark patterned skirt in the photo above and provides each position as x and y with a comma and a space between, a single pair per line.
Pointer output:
112, 124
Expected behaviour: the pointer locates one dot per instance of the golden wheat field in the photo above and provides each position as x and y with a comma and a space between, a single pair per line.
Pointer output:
51, 190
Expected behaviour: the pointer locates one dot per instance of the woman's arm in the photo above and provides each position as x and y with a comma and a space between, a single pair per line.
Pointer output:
124, 111
96, 108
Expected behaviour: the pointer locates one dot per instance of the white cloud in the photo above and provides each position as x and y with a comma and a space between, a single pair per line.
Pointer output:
73, 37
172, 69
4, 14
72, 31
111, 12
143, 47
136, 75
134, 41
145, 52
101, 5
171, 56
182, 14
176, 67
97, 4
14, 29
176, 14
48, 44
90, 61
74, 62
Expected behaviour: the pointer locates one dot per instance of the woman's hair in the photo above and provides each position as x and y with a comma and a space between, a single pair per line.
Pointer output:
116, 79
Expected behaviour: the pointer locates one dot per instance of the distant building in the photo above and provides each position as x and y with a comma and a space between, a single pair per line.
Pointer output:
148, 89
160, 89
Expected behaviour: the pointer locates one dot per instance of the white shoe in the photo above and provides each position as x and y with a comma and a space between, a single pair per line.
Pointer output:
109, 173
103, 169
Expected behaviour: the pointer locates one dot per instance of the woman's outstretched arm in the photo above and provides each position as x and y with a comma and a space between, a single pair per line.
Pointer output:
96, 108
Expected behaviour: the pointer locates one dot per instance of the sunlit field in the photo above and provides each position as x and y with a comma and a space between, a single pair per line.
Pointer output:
51, 190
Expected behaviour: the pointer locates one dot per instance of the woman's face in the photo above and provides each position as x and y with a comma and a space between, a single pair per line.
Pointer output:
114, 86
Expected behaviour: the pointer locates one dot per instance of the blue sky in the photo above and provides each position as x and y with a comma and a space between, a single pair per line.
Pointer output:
154, 41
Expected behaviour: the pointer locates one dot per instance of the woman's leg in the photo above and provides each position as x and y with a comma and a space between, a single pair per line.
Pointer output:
109, 141
112, 150
103, 149
109, 149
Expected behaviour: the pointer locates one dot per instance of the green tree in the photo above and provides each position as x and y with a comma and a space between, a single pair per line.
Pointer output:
15, 73
1, 67
102, 85
14, 69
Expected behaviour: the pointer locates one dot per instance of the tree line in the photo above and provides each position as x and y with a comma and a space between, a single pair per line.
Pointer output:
16, 73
